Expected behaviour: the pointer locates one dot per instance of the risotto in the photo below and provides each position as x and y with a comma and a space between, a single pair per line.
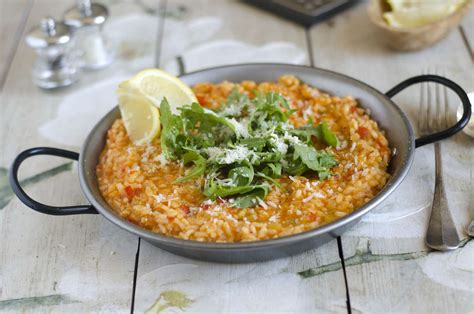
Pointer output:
144, 187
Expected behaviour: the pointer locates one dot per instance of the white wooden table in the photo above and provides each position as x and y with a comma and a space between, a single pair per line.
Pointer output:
85, 264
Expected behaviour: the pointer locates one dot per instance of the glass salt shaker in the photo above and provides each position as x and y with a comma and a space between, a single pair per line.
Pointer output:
54, 66
87, 20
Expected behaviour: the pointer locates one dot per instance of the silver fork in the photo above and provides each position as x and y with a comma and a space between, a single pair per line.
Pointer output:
441, 234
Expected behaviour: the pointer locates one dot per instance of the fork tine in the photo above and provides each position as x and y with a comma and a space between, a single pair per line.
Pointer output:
447, 117
422, 110
429, 110
442, 104
438, 118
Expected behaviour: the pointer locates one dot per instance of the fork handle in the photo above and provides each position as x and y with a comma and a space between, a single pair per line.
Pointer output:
441, 234
451, 85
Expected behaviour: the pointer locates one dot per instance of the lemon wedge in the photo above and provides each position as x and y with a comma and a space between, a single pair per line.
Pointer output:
140, 98
140, 117
415, 13
156, 84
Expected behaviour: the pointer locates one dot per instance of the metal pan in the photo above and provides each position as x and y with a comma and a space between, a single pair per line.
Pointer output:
383, 110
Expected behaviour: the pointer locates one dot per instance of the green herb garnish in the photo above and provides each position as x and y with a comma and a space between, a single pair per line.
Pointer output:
242, 148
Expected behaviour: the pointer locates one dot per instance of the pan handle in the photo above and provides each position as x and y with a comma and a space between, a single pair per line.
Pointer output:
441, 135
28, 201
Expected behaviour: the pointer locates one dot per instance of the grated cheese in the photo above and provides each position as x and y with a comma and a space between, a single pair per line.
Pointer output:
274, 218
240, 129
280, 144
271, 204
291, 138
353, 146
318, 195
308, 112
161, 158
262, 203
228, 156
160, 198
232, 110
309, 198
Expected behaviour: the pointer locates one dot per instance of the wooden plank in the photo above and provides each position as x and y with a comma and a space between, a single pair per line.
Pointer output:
467, 31
69, 264
388, 265
13, 16
312, 281
231, 33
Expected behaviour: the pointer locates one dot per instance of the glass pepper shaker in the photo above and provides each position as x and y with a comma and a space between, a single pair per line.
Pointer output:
87, 20
54, 66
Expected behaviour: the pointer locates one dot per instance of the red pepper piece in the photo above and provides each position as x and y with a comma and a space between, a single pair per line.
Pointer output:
130, 191
186, 209
363, 132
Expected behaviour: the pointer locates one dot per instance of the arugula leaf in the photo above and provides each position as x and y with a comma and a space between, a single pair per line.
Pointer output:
169, 129
236, 105
242, 175
262, 175
254, 142
243, 147
326, 134
296, 168
198, 169
252, 198
318, 161
214, 190
322, 133
238, 181
205, 116
272, 170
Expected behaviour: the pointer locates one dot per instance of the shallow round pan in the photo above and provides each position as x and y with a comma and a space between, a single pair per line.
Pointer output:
383, 110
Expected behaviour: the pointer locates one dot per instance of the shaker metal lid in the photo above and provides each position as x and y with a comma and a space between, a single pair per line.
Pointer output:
86, 14
49, 33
